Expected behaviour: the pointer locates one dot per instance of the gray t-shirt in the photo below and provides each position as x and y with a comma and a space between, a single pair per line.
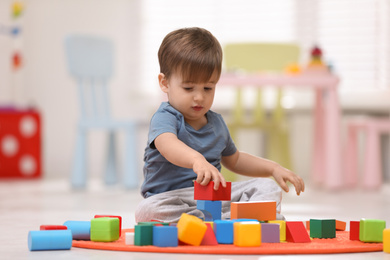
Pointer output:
213, 141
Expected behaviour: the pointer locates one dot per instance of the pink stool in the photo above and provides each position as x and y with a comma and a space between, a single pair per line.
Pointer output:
372, 165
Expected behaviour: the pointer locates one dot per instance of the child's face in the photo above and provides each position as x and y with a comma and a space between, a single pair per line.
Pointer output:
193, 100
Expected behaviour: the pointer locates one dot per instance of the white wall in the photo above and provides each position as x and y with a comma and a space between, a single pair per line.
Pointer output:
45, 82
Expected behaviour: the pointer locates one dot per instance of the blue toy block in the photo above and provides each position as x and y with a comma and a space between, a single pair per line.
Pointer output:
165, 236
49, 240
223, 230
81, 230
213, 207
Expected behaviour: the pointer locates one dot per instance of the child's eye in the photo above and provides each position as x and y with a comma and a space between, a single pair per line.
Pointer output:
187, 88
208, 88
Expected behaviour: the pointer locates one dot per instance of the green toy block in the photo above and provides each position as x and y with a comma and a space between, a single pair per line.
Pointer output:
323, 228
143, 235
104, 229
371, 230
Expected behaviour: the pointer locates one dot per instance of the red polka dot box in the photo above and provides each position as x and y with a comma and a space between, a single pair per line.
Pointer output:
20, 143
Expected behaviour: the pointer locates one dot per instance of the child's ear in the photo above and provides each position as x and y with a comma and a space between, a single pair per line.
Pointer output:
162, 80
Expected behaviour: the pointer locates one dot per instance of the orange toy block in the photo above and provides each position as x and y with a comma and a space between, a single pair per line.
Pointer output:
340, 225
296, 232
247, 233
209, 238
260, 210
208, 193
191, 229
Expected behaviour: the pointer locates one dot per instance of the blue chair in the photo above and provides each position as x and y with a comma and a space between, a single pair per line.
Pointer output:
90, 61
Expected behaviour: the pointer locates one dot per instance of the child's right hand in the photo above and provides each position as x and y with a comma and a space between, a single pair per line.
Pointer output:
207, 172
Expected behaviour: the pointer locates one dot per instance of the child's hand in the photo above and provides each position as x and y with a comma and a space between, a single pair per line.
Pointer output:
282, 175
207, 172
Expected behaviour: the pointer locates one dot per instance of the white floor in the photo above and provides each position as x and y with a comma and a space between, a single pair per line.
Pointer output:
25, 206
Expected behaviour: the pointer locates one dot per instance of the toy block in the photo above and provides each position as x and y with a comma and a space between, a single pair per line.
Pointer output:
386, 240
296, 232
165, 236
371, 230
152, 223
223, 230
354, 231
209, 238
129, 238
111, 216
81, 230
104, 229
270, 233
282, 228
21, 144
49, 240
340, 225
143, 235
207, 192
307, 225
260, 210
52, 227
191, 229
211, 223
247, 234
213, 207
322, 228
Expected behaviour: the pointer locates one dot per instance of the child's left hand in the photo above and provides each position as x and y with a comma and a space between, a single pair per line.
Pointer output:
282, 175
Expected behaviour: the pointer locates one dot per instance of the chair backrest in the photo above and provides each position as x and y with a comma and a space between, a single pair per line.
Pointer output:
255, 57
90, 60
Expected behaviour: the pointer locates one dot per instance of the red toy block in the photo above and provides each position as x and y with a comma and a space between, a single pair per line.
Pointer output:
354, 230
52, 227
110, 216
296, 232
208, 193
209, 238
260, 210
340, 225
20, 144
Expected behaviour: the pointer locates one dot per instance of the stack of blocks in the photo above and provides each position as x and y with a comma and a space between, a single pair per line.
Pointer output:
102, 228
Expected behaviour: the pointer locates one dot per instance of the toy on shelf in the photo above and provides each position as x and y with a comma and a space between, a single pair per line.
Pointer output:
20, 143
316, 63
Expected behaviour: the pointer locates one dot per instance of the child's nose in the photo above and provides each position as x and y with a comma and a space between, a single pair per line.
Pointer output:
198, 96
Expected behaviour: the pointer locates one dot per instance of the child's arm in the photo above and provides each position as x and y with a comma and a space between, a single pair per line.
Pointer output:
180, 154
249, 165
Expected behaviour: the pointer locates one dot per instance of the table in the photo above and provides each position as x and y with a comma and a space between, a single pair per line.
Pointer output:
326, 166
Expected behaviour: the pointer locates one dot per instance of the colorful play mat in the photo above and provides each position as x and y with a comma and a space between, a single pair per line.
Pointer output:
340, 244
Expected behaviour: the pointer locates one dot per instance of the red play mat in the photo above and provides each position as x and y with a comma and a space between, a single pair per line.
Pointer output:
340, 244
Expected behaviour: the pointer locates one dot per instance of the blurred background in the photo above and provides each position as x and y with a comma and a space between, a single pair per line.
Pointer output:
354, 36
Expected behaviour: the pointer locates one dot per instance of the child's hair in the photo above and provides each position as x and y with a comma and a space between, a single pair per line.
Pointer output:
194, 53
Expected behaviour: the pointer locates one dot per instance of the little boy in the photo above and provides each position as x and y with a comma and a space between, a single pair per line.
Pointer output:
187, 141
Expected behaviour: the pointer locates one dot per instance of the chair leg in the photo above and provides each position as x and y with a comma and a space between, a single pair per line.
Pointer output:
79, 172
110, 176
372, 175
130, 175
351, 157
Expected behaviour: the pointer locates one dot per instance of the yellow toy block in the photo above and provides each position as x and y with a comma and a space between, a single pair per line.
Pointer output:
386, 241
191, 229
247, 233
282, 226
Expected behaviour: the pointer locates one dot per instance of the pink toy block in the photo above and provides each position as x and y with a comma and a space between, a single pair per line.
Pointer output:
354, 230
209, 238
111, 216
260, 210
296, 232
52, 227
208, 193
270, 233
